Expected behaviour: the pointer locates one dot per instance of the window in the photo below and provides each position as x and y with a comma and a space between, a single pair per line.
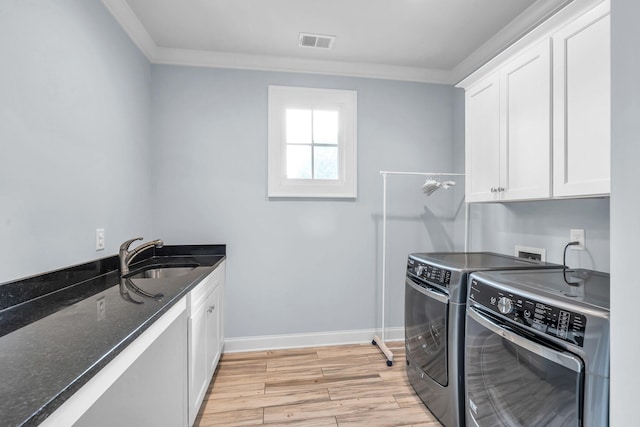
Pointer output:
312, 142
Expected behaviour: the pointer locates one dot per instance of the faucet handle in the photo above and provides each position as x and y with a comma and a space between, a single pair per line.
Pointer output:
125, 245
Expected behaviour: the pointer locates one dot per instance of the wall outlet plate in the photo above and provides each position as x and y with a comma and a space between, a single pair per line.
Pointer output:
528, 252
99, 239
577, 235
101, 308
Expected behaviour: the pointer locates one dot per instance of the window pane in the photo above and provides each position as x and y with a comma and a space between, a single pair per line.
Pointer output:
298, 126
298, 161
325, 162
325, 127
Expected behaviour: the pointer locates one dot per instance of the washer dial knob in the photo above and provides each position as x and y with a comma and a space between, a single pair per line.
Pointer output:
505, 305
419, 270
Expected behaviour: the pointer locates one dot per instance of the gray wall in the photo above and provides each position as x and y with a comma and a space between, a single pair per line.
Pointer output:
298, 266
544, 224
74, 135
625, 205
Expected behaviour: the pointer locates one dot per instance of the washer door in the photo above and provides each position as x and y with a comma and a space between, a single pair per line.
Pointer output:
426, 329
515, 380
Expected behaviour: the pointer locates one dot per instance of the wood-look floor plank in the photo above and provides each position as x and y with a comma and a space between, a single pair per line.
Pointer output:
353, 350
252, 355
267, 377
320, 383
379, 388
329, 408
248, 417
253, 367
275, 365
265, 401
389, 418
407, 399
358, 369
233, 391
393, 374
312, 422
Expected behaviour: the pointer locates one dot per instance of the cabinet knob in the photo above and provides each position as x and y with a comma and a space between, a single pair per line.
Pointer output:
493, 189
500, 189
211, 308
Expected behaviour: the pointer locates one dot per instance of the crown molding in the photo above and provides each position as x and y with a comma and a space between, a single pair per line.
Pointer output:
128, 20
523, 24
465, 73
200, 58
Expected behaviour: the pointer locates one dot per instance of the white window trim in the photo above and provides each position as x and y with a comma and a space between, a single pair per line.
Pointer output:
283, 97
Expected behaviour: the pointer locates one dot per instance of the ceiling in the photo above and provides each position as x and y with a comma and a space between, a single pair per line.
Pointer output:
438, 41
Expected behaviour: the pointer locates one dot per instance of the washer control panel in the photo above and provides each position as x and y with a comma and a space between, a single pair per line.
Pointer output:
428, 272
547, 319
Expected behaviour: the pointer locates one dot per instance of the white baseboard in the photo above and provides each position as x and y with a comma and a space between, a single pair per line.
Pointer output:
317, 339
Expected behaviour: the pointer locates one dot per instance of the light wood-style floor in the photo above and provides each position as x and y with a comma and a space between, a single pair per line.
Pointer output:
322, 386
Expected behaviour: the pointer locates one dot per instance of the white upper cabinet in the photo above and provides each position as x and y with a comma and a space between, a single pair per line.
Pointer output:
526, 114
538, 116
482, 105
508, 130
582, 106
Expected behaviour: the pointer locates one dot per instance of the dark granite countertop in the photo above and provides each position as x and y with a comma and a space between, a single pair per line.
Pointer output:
53, 342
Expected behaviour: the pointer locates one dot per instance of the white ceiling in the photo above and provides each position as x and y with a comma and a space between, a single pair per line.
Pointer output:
422, 40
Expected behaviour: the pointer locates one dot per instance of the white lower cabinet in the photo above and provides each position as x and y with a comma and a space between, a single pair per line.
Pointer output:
205, 336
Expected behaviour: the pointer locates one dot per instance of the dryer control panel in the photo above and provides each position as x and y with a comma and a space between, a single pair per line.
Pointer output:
428, 272
544, 318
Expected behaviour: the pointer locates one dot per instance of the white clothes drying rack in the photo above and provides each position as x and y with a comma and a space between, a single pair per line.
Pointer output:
380, 342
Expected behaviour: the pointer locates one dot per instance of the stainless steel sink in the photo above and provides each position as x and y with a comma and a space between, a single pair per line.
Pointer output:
162, 272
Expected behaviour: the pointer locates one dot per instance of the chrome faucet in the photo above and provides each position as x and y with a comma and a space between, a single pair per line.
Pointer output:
126, 256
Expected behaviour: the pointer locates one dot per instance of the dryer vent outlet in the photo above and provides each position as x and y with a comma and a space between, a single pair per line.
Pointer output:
527, 252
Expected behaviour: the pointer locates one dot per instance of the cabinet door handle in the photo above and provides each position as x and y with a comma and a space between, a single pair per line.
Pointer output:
500, 189
211, 308
493, 189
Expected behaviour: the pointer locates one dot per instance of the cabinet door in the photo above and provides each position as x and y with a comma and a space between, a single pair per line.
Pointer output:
525, 161
198, 366
214, 325
482, 152
582, 105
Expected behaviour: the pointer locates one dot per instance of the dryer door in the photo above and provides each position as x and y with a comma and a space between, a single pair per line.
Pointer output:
426, 329
516, 380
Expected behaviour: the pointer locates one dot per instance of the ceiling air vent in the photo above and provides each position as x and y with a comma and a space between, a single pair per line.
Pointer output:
316, 40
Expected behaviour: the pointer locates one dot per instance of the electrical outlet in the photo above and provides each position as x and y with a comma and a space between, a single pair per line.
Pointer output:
99, 239
577, 235
101, 308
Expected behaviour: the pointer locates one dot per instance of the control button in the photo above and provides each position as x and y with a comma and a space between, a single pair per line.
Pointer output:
527, 314
419, 270
505, 305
